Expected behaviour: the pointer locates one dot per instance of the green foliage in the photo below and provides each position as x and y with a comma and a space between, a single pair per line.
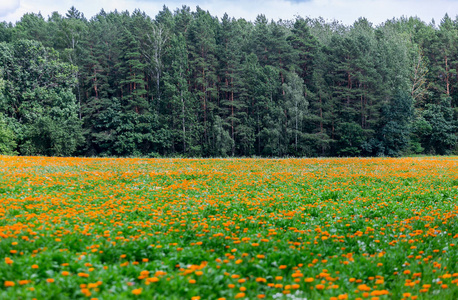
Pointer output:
7, 139
296, 106
438, 132
222, 140
350, 139
396, 131
38, 96
188, 83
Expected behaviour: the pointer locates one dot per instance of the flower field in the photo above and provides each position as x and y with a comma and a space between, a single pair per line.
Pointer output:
78, 228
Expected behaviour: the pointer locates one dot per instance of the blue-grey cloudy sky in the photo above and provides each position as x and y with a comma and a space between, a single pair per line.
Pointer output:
347, 11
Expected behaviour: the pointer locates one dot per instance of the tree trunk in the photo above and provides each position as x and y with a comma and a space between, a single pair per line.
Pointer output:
447, 75
183, 121
232, 117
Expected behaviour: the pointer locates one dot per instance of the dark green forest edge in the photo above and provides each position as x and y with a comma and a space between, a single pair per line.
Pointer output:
187, 83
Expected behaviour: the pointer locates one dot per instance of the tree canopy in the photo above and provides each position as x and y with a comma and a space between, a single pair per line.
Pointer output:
187, 83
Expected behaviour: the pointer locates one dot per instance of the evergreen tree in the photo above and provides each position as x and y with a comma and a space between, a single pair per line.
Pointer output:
440, 134
201, 41
396, 131
182, 109
188, 83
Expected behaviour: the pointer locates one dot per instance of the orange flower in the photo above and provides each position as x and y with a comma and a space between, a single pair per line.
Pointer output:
319, 286
152, 279
406, 295
137, 291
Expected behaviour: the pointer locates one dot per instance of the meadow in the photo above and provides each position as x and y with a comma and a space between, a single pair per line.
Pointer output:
350, 228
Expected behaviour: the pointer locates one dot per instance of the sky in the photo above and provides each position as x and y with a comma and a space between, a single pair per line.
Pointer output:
346, 11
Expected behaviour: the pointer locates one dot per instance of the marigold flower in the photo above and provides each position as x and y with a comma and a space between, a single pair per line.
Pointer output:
152, 279
137, 291
319, 286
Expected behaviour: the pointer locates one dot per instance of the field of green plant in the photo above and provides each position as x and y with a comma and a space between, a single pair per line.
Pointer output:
355, 228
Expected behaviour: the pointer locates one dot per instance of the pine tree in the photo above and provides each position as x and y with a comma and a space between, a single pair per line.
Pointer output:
201, 41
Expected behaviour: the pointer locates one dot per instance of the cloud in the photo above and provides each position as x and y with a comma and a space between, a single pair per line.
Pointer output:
8, 6
299, 1
347, 11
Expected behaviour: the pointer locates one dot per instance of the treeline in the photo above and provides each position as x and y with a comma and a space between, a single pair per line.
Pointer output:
186, 83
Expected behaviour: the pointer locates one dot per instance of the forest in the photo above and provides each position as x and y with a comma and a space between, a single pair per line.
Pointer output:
189, 84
